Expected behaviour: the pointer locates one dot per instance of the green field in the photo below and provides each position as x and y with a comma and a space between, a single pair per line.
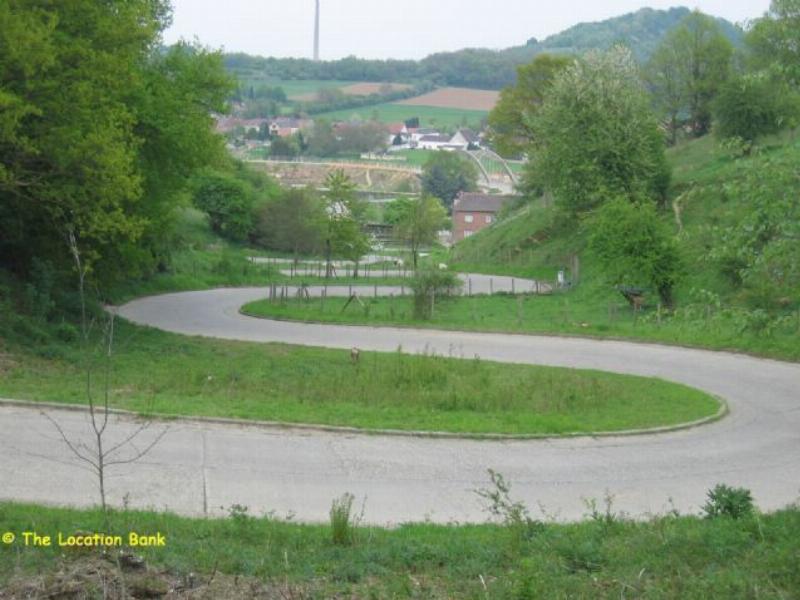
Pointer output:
255, 557
448, 118
298, 87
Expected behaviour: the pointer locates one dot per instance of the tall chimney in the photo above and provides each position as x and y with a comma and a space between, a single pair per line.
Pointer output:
316, 34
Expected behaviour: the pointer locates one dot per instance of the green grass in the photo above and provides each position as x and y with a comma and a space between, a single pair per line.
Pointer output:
429, 116
667, 557
163, 373
585, 312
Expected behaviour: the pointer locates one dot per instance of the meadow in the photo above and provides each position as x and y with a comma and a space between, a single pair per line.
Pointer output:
430, 116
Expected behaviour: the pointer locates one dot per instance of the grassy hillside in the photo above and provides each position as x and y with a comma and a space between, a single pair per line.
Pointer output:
532, 242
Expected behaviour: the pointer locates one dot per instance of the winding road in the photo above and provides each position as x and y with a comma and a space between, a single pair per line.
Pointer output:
204, 468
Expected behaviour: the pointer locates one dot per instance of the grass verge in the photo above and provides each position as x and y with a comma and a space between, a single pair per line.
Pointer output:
584, 312
161, 373
668, 557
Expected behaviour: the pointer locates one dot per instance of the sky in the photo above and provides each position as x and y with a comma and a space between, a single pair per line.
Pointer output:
402, 28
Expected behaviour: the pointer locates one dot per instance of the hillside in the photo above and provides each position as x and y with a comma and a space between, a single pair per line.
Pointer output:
641, 31
712, 194
478, 67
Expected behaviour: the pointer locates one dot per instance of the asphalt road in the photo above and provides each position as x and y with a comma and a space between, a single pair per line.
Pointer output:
205, 468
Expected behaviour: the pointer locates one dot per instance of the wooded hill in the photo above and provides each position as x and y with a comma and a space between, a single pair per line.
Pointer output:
479, 67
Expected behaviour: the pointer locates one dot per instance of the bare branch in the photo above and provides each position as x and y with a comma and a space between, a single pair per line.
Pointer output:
141, 454
73, 448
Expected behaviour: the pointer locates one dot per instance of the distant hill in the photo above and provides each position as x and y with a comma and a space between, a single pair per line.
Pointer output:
479, 67
641, 31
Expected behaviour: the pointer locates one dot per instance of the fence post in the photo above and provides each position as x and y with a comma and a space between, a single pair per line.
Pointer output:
491, 286
513, 290
469, 285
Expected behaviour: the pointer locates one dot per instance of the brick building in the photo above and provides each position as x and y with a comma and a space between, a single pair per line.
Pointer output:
474, 211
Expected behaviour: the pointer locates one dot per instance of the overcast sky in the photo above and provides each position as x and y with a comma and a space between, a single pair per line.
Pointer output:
402, 28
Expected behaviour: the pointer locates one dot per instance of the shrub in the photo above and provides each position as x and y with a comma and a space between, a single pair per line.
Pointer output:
726, 501
430, 284
67, 332
343, 521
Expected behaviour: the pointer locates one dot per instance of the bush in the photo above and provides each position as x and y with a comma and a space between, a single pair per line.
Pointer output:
430, 284
343, 522
67, 332
752, 106
725, 501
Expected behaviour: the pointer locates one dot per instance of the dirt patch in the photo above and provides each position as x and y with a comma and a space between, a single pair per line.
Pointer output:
461, 98
359, 89
100, 576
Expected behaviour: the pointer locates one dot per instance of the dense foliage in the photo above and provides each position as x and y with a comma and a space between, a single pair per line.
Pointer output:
596, 136
688, 70
753, 105
636, 248
99, 131
510, 122
445, 174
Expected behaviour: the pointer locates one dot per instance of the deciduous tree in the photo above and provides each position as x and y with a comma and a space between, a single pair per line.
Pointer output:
445, 174
511, 131
420, 224
597, 137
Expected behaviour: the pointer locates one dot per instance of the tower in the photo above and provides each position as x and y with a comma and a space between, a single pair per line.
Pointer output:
316, 34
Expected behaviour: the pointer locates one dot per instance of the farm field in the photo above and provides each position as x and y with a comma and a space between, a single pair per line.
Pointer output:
394, 112
357, 89
456, 98
299, 87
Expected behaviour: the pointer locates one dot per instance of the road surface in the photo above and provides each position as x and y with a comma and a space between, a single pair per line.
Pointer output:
205, 468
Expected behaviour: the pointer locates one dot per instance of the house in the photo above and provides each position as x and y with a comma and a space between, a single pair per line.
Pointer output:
473, 212
418, 133
228, 124
433, 142
286, 126
397, 132
465, 139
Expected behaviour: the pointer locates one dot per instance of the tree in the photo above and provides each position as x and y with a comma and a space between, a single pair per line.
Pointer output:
100, 130
635, 247
345, 235
664, 75
445, 174
691, 64
228, 202
752, 106
597, 137
775, 40
420, 224
510, 120
281, 147
295, 222
100, 454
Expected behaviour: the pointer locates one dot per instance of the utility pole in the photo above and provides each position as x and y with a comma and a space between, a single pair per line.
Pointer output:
316, 34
